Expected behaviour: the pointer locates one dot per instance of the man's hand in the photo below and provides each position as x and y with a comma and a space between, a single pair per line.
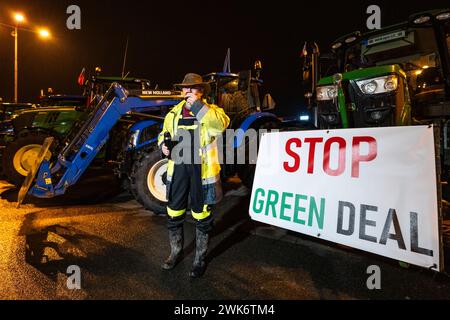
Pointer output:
190, 99
165, 150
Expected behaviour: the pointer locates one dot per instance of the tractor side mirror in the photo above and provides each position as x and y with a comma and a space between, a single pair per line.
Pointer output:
268, 102
306, 74
258, 69
305, 64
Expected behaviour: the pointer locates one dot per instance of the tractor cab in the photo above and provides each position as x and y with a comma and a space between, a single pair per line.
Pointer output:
420, 49
96, 86
394, 76
239, 94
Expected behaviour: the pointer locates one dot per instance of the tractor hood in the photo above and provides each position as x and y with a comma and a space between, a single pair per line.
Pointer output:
55, 119
365, 73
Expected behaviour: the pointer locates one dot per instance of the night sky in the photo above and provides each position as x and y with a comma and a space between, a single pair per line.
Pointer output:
170, 38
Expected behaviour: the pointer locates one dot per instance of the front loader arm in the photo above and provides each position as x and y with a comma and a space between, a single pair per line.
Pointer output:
54, 179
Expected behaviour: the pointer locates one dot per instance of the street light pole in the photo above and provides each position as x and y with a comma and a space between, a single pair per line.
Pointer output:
19, 18
43, 33
16, 64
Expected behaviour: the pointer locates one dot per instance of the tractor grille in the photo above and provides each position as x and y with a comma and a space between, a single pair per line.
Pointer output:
371, 110
362, 110
329, 117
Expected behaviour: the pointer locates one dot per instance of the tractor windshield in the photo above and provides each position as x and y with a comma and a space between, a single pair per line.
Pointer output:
414, 49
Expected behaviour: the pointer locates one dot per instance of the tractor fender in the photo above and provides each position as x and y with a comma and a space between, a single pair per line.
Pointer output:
252, 121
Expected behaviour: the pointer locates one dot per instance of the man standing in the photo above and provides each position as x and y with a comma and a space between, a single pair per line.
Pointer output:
197, 179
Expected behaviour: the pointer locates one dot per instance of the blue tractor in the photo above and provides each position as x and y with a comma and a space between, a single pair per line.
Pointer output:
22, 136
128, 124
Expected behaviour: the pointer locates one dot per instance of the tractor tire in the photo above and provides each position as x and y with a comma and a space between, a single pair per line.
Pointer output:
148, 181
19, 155
246, 172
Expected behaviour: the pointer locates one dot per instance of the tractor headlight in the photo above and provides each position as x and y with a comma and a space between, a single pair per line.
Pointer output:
443, 16
391, 83
378, 85
370, 87
304, 118
326, 93
350, 39
422, 19
336, 46
331, 118
376, 115
134, 138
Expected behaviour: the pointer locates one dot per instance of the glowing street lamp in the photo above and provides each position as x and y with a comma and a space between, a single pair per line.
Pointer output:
19, 17
44, 33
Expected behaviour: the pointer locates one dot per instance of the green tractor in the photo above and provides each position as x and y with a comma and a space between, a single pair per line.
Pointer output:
399, 75
58, 116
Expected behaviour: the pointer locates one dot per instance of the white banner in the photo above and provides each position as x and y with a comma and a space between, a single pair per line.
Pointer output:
372, 189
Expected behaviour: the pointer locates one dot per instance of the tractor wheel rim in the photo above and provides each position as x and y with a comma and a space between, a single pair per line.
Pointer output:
155, 180
25, 158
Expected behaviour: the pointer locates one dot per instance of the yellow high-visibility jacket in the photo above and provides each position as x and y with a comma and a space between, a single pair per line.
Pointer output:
213, 122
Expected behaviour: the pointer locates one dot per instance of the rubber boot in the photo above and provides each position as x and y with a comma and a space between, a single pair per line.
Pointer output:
176, 238
199, 265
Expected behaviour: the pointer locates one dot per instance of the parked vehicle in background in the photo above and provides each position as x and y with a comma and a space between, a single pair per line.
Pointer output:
7, 112
62, 100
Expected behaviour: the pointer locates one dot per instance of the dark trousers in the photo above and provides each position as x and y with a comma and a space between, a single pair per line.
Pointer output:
187, 185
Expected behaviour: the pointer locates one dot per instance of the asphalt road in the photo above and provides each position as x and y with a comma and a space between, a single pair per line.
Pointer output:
119, 246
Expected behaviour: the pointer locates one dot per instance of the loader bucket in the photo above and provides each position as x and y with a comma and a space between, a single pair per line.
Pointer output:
34, 170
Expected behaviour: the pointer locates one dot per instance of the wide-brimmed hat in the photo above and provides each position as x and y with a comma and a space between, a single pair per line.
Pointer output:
192, 80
